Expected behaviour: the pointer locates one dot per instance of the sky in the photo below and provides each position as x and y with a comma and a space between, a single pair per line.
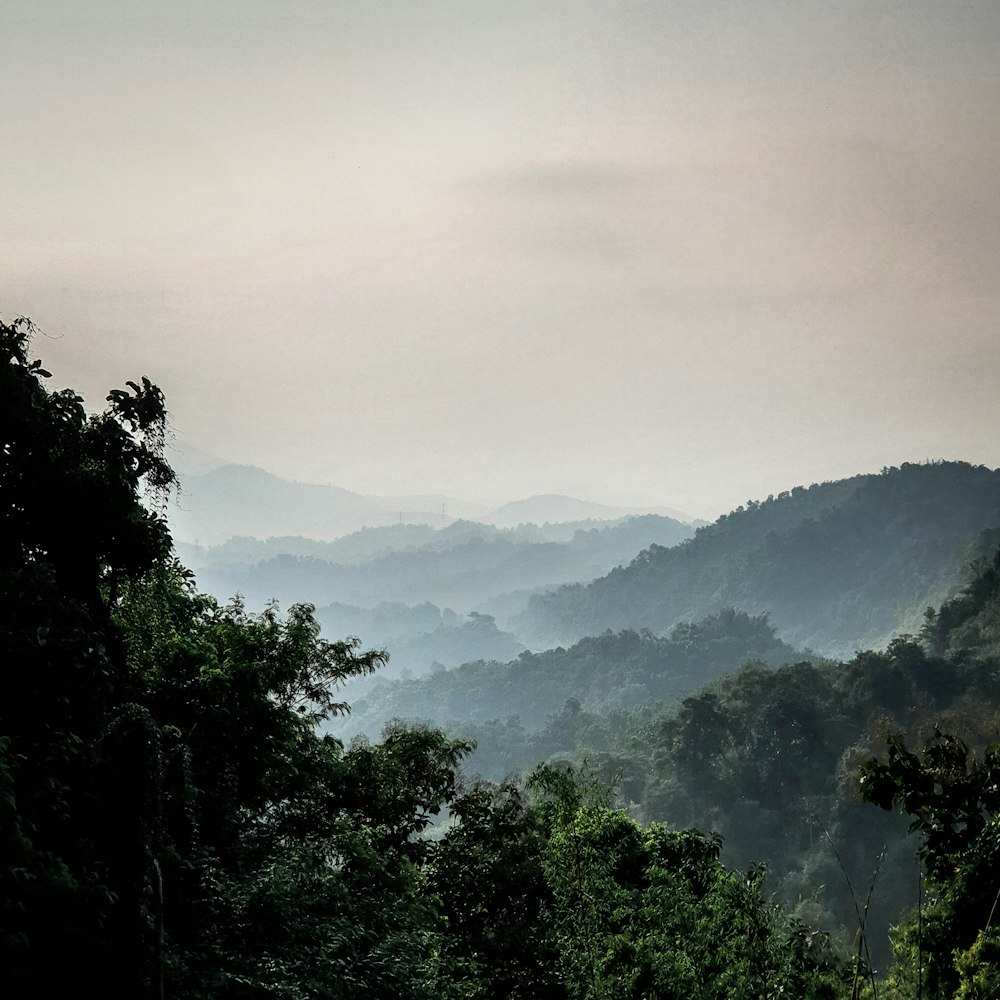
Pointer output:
675, 253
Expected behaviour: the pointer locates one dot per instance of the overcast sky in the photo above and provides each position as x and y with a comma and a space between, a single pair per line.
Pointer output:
685, 253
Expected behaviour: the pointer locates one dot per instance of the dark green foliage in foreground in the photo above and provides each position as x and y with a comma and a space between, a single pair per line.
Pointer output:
951, 947
953, 799
652, 913
72, 535
562, 896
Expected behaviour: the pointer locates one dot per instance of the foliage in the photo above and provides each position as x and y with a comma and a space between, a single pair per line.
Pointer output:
73, 533
170, 812
888, 545
601, 673
652, 913
488, 872
952, 798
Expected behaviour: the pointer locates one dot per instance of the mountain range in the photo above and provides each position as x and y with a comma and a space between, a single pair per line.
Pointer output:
837, 565
466, 566
219, 502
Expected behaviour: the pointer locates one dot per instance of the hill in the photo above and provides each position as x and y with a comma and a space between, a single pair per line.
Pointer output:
221, 501
555, 508
422, 637
463, 566
605, 672
244, 500
839, 566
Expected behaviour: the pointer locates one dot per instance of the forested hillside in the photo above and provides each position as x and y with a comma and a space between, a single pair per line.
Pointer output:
605, 672
423, 639
839, 566
769, 759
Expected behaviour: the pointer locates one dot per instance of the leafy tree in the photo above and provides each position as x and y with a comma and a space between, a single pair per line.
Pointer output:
489, 874
73, 533
652, 913
953, 799
170, 815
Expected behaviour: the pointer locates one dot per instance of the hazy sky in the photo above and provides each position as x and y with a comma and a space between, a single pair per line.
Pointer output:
686, 253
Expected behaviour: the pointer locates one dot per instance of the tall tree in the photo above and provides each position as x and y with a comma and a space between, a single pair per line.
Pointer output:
73, 532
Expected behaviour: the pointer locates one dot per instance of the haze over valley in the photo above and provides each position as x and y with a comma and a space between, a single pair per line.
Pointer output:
837, 565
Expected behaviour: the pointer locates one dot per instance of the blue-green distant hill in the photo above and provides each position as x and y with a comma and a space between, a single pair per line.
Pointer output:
463, 566
839, 566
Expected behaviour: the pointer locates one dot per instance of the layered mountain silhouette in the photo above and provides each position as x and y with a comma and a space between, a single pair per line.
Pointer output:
222, 501
465, 566
236, 500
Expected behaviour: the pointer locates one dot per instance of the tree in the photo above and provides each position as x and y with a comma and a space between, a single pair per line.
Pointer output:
652, 913
170, 812
488, 872
73, 532
953, 799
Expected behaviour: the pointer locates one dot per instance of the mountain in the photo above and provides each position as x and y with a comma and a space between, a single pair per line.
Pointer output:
219, 501
187, 459
606, 672
554, 508
839, 566
349, 550
463, 566
420, 638
244, 500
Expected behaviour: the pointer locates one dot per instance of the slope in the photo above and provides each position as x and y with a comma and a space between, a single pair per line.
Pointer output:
839, 566
606, 672
244, 500
461, 566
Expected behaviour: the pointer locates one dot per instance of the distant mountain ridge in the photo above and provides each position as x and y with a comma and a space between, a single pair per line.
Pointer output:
609, 672
554, 508
243, 500
227, 501
462, 566
838, 566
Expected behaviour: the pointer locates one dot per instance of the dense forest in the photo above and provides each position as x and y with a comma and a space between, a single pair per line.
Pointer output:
839, 566
534, 685
178, 820
767, 758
